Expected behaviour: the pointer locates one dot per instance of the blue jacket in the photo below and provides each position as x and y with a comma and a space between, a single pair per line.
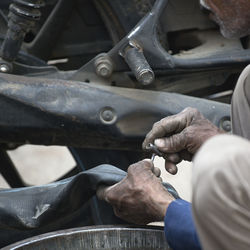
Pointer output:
179, 227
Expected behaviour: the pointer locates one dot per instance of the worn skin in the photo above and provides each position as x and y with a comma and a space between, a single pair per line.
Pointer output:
140, 198
180, 136
233, 16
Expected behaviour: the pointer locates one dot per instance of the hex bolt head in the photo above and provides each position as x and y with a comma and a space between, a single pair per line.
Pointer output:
103, 66
103, 70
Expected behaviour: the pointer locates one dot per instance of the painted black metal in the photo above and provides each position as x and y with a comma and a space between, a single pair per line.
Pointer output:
145, 35
9, 172
42, 111
44, 42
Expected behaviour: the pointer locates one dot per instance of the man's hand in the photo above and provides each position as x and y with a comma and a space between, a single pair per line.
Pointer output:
140, 197
180, 136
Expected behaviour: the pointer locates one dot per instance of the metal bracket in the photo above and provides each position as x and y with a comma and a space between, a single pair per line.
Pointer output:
145, 35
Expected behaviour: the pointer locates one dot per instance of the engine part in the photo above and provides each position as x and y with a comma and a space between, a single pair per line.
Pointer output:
145, 34
137, 62
22, 17
103, 65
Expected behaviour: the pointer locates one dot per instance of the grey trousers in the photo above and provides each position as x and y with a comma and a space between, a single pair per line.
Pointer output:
221, 180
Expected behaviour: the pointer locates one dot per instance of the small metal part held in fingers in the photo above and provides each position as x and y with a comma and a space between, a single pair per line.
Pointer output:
151, 147
153, 157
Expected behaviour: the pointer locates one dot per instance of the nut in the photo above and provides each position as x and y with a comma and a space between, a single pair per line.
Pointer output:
104, 66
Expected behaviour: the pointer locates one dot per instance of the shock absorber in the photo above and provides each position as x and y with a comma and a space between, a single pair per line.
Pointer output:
23, 15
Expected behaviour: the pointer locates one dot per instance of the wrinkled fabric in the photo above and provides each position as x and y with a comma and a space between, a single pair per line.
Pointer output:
26, 212
241, 105
221, 193
221, 170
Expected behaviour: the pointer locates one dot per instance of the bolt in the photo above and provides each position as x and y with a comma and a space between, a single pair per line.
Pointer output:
146, 77
226, 125
4, 68
104, 66
139, 65
108, 115
103, 70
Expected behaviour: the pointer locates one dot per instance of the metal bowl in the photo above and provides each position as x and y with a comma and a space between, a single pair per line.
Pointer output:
97, 237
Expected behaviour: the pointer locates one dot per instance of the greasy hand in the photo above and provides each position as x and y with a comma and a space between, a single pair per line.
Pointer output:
180, 136
140, 198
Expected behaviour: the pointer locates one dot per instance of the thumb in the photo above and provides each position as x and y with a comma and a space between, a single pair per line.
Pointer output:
172, 144
102, 192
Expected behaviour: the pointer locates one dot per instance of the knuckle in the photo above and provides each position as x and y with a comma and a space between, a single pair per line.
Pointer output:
195, 111
155, 126
145, 164
173, 141
132, 168
191, 110
111, 197
176, 141
163, 122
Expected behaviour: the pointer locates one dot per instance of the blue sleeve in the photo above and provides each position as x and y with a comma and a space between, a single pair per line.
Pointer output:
179, 227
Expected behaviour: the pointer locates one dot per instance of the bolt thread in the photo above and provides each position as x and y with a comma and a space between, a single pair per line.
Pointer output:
23, 15
139, 66
26, 9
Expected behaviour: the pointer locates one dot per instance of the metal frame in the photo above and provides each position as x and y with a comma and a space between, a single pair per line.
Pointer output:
42, 111
143, 37
49, 112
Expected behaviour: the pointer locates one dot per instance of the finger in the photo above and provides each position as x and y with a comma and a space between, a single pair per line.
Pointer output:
157, 172
166, 126
101, 192
147, 163
161, 180
175, 158
140, 166
172, 144
171, 167
185, 155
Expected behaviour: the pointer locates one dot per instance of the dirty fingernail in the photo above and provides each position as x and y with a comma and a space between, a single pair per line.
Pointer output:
159, 143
